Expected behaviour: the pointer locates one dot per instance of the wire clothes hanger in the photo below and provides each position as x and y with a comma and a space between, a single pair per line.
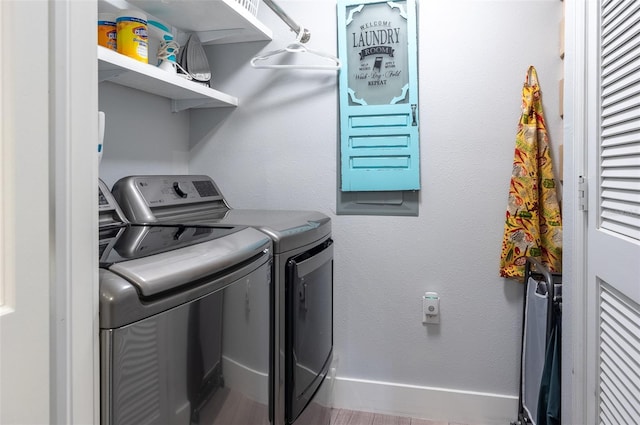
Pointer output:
297, 48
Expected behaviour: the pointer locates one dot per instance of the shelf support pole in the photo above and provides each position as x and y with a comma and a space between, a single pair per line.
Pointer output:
287, 20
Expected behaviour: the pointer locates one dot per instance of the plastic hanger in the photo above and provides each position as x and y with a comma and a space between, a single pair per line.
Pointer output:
296, 48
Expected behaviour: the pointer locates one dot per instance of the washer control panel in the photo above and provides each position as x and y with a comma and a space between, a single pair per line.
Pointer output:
156, 191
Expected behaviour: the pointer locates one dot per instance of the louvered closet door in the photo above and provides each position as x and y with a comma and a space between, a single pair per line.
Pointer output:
613, 238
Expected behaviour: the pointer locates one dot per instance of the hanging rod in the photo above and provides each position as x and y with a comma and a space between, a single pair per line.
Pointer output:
287, 20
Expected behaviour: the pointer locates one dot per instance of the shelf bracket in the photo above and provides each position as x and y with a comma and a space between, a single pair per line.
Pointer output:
109, 74
182, 105
179, 105
209, 37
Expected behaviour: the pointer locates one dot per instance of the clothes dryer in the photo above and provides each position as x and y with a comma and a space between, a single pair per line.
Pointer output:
184, 322
302, 296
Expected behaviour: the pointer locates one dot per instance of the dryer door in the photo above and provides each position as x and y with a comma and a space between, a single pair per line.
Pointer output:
308, 326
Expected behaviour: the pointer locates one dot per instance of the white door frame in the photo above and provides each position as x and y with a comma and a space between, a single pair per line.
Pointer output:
575, 399
74, 180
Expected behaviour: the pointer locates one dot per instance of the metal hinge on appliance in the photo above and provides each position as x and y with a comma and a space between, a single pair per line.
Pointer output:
583, 194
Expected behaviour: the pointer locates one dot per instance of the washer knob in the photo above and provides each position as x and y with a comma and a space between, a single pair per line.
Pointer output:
181, 193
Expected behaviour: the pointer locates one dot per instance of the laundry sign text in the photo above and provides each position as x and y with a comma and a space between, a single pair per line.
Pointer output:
377, 53
376, 37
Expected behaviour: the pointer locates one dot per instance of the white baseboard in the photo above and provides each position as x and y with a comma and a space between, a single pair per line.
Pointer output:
439, 404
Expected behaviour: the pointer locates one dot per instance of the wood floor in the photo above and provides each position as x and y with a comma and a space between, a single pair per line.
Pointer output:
228, 407
350, 417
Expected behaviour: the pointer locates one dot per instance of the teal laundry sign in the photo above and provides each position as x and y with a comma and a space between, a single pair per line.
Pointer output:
379, 135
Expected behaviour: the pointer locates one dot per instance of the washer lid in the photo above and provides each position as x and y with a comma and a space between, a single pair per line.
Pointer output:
160, 258
289, 229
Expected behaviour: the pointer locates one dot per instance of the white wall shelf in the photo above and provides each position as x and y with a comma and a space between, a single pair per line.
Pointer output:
215, 21
185, 94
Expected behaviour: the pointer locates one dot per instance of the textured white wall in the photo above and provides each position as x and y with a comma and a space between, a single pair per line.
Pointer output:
277, 149
142, 135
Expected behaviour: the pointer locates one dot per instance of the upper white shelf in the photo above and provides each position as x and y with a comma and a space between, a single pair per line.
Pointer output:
185, 94
215, 21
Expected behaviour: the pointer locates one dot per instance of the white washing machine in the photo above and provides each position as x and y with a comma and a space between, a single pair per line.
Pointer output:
302, 297
184, 322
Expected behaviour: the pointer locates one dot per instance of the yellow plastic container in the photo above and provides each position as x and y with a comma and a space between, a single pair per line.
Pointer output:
132, 35
107, 33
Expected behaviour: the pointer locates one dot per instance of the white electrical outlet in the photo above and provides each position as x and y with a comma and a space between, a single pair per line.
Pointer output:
430, 308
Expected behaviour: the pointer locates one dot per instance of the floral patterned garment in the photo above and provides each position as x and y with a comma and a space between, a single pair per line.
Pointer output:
533, 226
